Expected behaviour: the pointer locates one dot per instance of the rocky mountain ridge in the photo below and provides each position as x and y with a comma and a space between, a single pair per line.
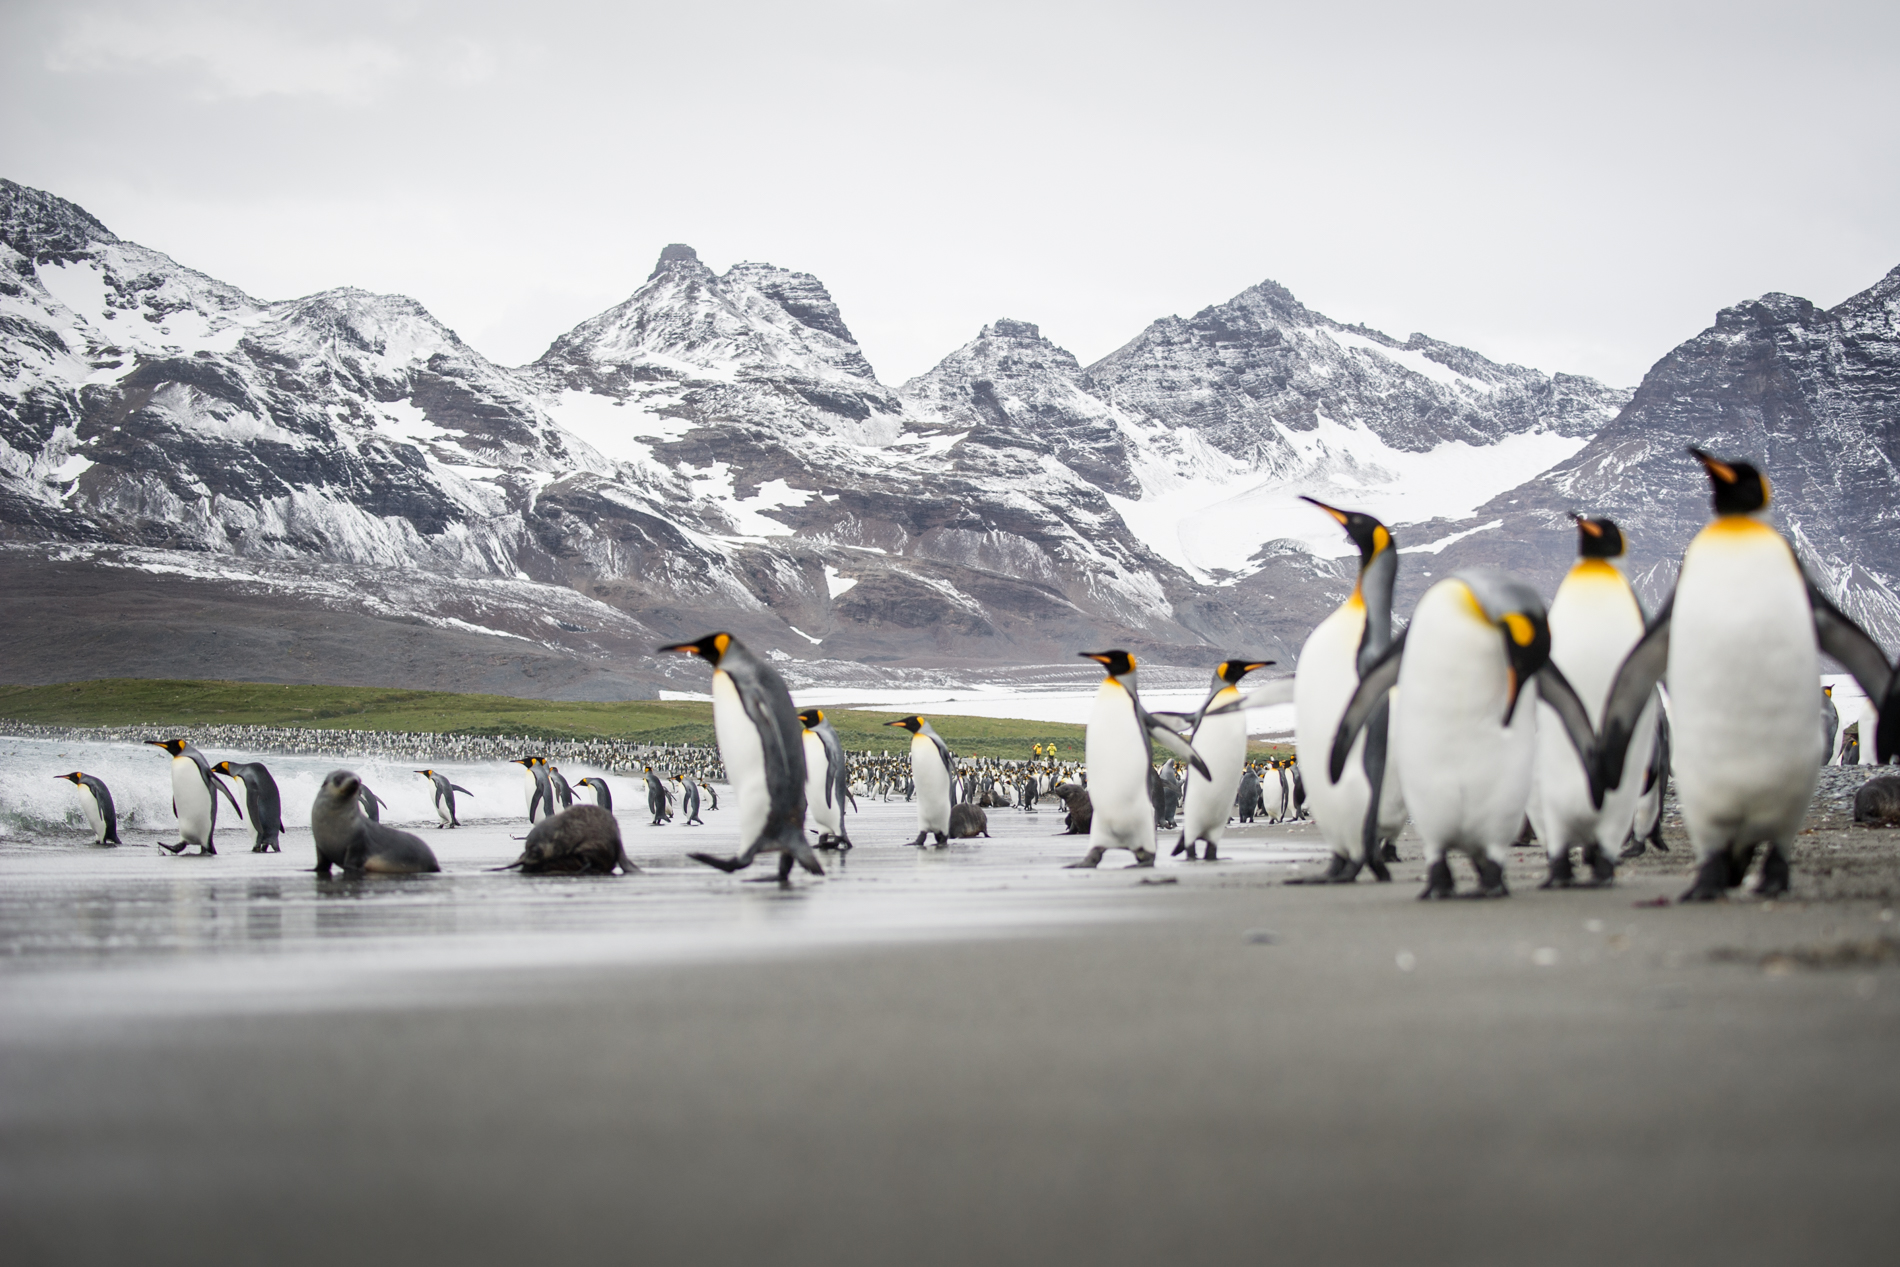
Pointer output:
717, 451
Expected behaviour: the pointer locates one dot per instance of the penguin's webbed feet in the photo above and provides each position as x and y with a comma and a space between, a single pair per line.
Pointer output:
1210, 854
1087, 862
1438, 882
1389, 852
1602, 866
728, 865
1561, 874
1711, 881
1632, 848
1340, 870
1774, 874
172, 849
1490, 880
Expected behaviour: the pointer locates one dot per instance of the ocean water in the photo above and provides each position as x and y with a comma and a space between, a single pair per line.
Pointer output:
89, 934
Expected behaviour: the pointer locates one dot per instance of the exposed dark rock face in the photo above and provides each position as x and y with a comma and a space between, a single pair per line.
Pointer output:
716, 452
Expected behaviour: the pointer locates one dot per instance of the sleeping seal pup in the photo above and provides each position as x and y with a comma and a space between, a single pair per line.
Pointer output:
584, 840
347, 838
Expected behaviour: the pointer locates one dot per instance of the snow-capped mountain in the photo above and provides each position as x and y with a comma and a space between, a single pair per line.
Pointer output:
715, 452
1810, 395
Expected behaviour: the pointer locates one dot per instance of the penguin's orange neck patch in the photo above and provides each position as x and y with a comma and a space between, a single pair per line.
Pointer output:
1738, 526
1600, 569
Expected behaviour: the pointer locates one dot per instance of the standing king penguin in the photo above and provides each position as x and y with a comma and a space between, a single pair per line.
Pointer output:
602, 797
1336, 656
1594, 621
536, 787
1739, 642
1118, 749
931, 772
194, 797
444, 794
262, 799
1221, 739
827, 779
659, 801
95, 801
761, 745
1465, 748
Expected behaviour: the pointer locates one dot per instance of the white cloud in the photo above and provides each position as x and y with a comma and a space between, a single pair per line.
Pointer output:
228, 57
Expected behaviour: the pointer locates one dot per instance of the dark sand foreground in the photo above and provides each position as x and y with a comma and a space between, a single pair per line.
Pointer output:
1251, 1073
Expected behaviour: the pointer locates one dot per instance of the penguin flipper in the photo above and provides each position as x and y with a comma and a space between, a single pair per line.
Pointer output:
1554, 689
1269, 696
1629, 694
1377, 730
456, 787
1847, 642
1180, 747
218, 783
1379, 678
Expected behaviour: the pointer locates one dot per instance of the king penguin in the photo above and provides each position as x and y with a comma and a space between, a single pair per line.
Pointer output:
95, 802
602, 797
194, 797
760, 743
1830, 725
535, 787
1118, 748
827, 779
659, 803
1739, 640
1334, 658
1464, 747
262, 799
931, 772
444, 795
1221, 739
1594, 621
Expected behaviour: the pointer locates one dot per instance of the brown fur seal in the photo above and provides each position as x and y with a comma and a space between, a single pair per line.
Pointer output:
966, 820
584, 840
347, 838
1075, 799
1877, 803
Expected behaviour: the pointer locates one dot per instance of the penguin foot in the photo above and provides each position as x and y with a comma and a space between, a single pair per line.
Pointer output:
1144, 857
919, 842
1711, 881
1181, 846
1655, 838
1339, 870
1380, 871
1632, 848
1774, 874
175, 849
1438, 882
1389, 852
1491, 880
1602, 867
1209, 854
943, 841
728, 865
1088, 862
1561, 875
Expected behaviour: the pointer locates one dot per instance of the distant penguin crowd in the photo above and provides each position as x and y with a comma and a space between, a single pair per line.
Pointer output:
1488, 718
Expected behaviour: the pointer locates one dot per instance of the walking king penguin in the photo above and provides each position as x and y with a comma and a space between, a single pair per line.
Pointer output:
930, 770
1118, 751
95, 801
194, 796
536, 787
346, 837
444, 792
1830, 724
1336, 656
761, 744
1221, 739
261, 799
1478, 640
1739, 642
827, 779
1594, 621
659, 800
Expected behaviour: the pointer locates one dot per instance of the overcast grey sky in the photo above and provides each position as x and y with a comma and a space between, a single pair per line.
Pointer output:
1575, 187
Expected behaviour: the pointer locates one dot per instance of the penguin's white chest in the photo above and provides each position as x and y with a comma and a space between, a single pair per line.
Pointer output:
744, 754
193, 801
1594, 621
1742, 672
89, 806
1118, 753
442, 804
1466, 775
1328, 675
933, 785
1222, 743
825, 815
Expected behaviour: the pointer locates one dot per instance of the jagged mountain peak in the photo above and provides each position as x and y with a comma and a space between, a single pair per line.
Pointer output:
44, 227
677, 255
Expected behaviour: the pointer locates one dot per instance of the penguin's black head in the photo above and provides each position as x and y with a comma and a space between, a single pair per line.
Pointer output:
74, 777
712, 648
1372, 537
810, 717
1598, 538
1115, 663
914, 725
425, 773
174, 746
224, 768
1231, 671
1740, 489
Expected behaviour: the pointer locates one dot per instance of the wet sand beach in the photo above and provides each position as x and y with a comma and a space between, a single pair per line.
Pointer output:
941, 1058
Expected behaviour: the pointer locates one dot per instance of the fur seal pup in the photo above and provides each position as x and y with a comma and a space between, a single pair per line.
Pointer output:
348, 838
1877, 803
967, 821
583, 840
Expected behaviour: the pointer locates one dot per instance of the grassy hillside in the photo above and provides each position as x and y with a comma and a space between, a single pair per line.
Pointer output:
159, 703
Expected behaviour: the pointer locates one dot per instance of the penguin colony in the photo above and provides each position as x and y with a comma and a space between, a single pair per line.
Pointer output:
1490, 716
